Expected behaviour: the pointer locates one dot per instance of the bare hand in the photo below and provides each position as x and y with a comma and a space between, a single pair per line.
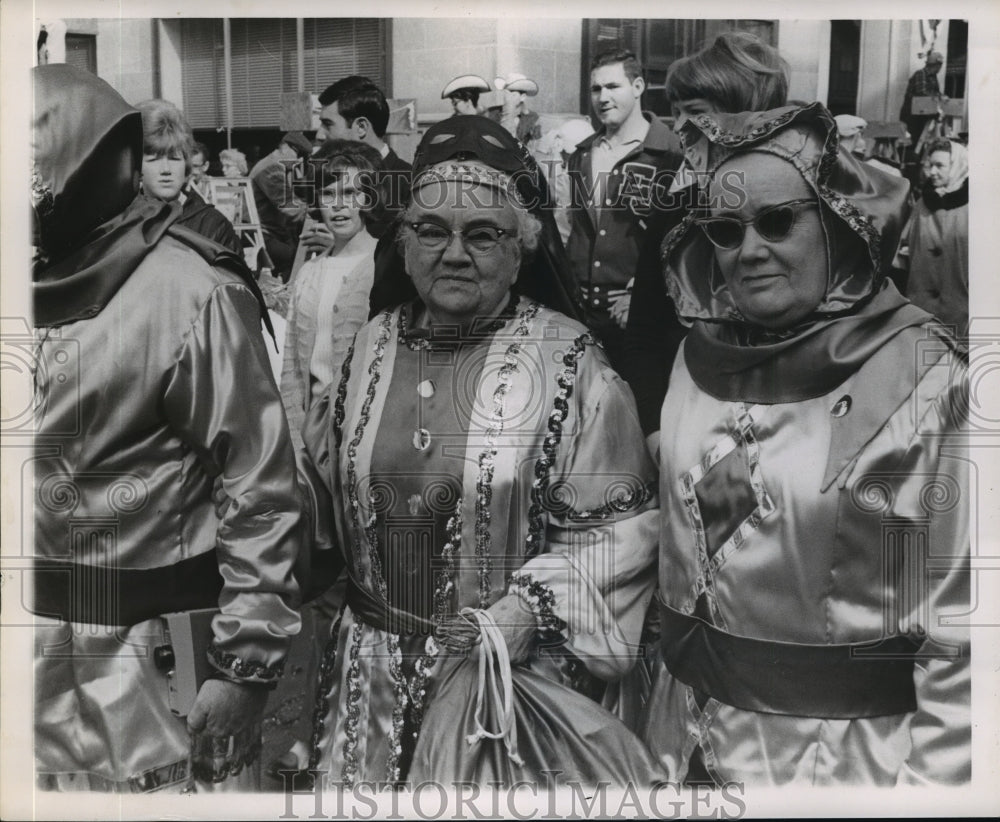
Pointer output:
517, 624
619, 309
224, 708
317, 239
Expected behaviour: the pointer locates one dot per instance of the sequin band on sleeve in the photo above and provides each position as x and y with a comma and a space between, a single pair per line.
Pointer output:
541, 600
245, 671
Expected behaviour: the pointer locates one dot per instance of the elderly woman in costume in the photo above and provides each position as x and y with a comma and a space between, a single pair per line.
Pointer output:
483, 456
155, 384
813, 491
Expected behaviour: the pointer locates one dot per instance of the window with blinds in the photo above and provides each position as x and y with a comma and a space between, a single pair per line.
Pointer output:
264, 64
340, 47
263, 67
203, 74
81, 51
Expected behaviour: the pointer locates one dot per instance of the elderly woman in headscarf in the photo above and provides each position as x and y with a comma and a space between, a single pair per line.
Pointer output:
814, 539
482, 455
155, 384
935, 249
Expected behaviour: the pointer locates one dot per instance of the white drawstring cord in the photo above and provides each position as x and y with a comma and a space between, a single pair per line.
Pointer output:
492, 644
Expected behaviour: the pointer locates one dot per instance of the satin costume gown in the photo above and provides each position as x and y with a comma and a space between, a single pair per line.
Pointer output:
772, 531
814, 548
464, 469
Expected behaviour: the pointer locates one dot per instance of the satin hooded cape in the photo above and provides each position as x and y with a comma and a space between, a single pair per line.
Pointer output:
546, 277
91, 231
863, 212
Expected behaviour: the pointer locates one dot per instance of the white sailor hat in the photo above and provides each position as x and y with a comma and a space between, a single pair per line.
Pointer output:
517, 82
469, 81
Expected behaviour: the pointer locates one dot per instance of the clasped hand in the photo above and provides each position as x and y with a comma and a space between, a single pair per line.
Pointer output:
516, 623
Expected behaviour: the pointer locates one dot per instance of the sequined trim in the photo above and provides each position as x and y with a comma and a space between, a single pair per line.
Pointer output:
321, 708
703, 717
154, 779
539, 486
541, 600
400, 702
444, 587
631, 498
418, 683
468, 174
714, 132
350, 750
484, 483
245, 670
338, 405
860, 223
709, 566
368, 527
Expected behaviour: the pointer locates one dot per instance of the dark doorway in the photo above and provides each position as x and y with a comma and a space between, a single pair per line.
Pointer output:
845, 59
958, 56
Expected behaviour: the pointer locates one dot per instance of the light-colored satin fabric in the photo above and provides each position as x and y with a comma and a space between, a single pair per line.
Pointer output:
601, 573
812, 573
146, 404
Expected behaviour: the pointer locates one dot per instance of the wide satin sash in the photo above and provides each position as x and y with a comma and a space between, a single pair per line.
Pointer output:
105, 595
844, 681
372, 610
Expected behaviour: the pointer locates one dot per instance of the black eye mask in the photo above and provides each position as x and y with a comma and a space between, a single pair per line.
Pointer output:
470, 137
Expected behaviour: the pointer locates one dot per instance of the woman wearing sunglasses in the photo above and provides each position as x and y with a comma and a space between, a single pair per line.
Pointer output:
814, 497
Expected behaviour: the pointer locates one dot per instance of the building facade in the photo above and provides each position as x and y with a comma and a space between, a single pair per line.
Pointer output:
229, 74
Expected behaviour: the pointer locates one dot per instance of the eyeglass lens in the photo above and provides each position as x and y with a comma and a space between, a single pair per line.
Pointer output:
479, 240
772, 224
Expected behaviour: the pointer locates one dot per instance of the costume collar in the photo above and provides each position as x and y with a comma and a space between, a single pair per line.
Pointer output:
809, 364
79, 285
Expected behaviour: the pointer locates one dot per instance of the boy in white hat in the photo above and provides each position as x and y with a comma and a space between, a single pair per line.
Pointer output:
464, 91
514, 115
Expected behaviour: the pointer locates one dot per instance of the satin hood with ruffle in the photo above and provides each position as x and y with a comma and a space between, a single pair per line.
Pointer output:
863, 210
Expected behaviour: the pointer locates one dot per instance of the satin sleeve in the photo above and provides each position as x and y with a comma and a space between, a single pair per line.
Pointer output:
221, 400
602, 532
937, 484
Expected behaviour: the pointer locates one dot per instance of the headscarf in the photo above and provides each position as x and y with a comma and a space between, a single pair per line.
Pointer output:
460, 141
91, 230
862, 211
958, 172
